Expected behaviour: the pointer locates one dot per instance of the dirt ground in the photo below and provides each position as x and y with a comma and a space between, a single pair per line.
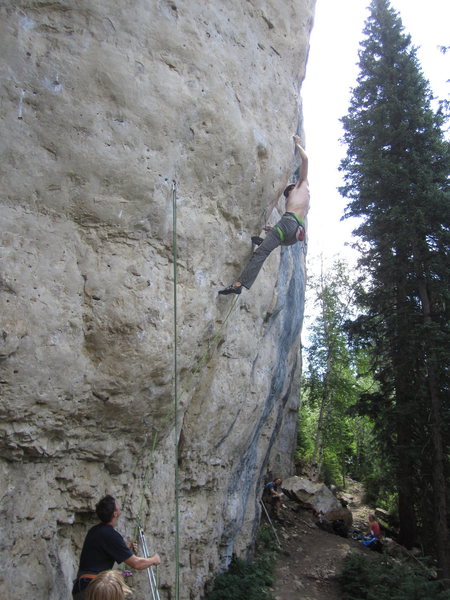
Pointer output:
311, 558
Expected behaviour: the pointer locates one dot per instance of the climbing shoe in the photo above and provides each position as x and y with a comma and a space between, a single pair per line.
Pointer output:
231, 289
257, 240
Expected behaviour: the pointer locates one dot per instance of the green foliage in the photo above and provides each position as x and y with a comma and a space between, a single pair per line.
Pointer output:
376, 407
375, 577
266, 540
330, 433
332, 468
245, 580
396, 180
380, 488
306, 426
249, 580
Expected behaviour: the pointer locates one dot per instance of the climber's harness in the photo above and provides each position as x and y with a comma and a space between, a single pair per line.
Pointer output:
81, 583
88, 576
300, 232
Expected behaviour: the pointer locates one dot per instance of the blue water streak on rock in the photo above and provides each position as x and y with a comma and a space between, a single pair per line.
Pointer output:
288, 317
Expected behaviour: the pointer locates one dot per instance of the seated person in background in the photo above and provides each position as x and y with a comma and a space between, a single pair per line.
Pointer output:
372, 538
108, 585
273, 495
103, 546
375, 530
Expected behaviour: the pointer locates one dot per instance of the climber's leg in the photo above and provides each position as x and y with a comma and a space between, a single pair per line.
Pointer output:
284, 233
249, 274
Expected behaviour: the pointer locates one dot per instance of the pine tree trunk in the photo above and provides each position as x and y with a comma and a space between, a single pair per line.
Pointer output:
439, 487
407, 517
439, 484
405, 473
325, 406
319, 438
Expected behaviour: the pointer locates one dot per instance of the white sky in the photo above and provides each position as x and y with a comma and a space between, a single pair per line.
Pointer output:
331, 72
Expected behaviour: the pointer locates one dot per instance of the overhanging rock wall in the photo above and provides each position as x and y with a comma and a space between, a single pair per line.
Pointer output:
103, 106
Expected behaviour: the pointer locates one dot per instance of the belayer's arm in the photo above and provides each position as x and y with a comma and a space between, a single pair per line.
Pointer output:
140, 563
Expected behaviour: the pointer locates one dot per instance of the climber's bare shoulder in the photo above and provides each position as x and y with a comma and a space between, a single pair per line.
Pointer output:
298, 200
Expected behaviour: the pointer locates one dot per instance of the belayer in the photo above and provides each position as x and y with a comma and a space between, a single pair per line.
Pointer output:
103, 546
289, 230
273, 495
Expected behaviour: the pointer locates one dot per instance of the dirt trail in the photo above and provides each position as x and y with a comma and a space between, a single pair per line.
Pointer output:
311, 559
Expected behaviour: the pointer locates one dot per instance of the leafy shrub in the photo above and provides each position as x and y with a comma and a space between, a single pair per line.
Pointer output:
249, 580
266, 540
371, 577
244, 580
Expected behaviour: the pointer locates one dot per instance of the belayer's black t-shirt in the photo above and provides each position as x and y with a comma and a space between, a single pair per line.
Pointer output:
102, 547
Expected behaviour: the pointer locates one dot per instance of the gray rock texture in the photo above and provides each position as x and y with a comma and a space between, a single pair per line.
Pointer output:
103, 106
318, 495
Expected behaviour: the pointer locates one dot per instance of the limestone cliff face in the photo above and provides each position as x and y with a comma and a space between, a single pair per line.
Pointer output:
103, 106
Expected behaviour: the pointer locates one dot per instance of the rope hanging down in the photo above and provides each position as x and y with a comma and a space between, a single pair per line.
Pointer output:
211, 346
175, 380
175, 394
176, 401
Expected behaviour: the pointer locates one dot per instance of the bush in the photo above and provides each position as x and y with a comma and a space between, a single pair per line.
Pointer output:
266, 540
372, 577
249, 580
244, 580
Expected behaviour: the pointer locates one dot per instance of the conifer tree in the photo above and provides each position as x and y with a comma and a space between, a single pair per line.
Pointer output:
396, 179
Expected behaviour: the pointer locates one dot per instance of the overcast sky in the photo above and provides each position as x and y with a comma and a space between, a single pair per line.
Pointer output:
331, 73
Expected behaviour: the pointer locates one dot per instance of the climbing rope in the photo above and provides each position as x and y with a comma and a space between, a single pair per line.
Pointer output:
175, 393
176, 401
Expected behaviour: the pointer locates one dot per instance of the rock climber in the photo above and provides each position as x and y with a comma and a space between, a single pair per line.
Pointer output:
103, 546
273, 495
289, 229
